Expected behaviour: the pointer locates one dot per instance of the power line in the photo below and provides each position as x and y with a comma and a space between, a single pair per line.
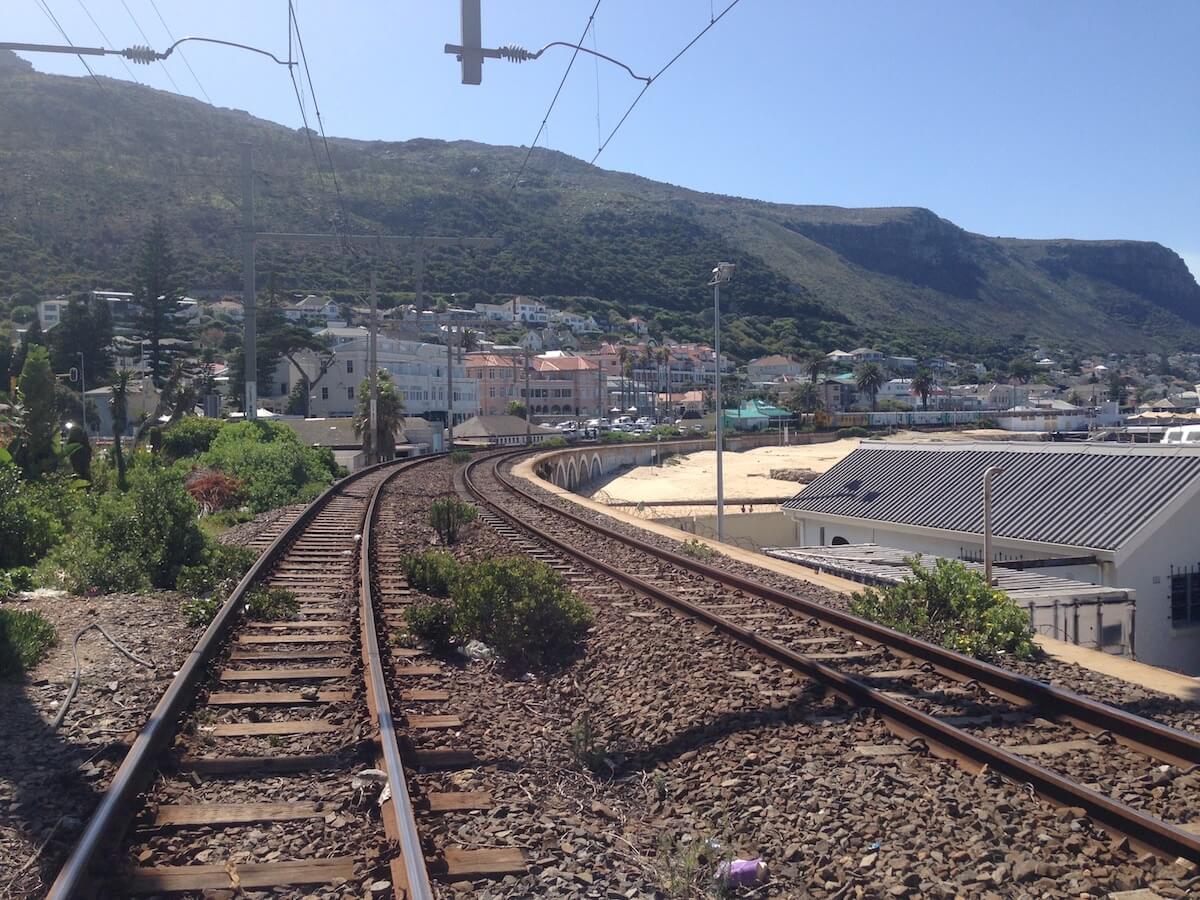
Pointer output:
106, 40
653, 78
147, 40
549, 110
181, 56
596, 65
44, 5
312, 93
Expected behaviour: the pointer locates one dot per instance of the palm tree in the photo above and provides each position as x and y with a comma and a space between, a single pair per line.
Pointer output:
805, 398
868, 378
390, 415
814, 362
119, 403
922, 385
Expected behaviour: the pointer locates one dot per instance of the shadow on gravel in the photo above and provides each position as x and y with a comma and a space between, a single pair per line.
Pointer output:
45, 793
719, 728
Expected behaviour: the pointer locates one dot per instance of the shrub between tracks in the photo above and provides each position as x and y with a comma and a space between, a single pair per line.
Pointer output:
952, 606
517, 605
25, 637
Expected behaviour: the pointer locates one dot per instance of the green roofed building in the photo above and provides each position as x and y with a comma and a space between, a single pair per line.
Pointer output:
755, 415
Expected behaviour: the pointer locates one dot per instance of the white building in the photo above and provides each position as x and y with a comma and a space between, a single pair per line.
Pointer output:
576, 322
418, 369
313, 307
495, 312
1122, 516
530, 311
50, 312
770, 368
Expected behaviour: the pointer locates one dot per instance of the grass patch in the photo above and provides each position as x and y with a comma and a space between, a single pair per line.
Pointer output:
697, 549
263, 604
25, 638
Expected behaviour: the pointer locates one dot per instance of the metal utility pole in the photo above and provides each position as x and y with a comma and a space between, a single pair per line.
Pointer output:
373, 369
450, 388
470, 53
720, 275
83, 392
988, 474
249, 309
528, 403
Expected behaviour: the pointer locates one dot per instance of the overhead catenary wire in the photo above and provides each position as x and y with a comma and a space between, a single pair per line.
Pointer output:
554, 99
104, 37
138, 26
44, 6
312, 93
653, 78
167, 29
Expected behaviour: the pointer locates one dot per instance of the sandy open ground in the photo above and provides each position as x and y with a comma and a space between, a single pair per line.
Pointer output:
693, 477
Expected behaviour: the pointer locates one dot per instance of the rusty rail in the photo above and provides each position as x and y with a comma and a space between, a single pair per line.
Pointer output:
113, 815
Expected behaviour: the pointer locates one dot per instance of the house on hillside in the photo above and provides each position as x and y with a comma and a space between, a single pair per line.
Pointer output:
867, 354
771, 368
1120, 516
313, 307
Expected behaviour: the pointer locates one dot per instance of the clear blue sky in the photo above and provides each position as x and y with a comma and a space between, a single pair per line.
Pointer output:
1071, 118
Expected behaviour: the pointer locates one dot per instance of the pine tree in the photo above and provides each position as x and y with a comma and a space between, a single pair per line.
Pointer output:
156, 295
36, 447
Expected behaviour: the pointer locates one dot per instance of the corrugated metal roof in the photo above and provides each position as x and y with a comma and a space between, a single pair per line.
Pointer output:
1079, 495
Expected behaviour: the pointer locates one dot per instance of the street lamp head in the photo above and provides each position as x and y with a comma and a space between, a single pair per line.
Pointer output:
723, 273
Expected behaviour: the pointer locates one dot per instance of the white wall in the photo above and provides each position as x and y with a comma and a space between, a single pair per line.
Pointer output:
1175, 543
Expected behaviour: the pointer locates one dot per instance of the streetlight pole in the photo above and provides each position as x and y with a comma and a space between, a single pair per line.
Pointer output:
988, 474
720, 275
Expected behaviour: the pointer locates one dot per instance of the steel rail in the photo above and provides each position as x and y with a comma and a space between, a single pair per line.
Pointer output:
941, 739
403, 819
111, 817
1152, 738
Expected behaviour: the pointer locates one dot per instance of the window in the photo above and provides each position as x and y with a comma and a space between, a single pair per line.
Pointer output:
324, 393
1185, 599
283, 388
349, 367
349, 393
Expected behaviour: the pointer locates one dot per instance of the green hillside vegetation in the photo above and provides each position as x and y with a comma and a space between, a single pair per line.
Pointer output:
83, 172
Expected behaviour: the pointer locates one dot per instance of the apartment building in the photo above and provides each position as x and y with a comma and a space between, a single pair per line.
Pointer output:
418, 370
560, 384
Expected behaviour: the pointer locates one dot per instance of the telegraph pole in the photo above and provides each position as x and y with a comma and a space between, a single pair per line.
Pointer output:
528, 403
249, 309
450, 388
373, 367
720, 275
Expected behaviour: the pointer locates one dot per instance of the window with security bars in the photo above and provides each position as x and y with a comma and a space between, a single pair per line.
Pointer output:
1185, 599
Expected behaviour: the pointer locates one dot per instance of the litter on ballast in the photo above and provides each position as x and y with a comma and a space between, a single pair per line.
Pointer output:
742, 872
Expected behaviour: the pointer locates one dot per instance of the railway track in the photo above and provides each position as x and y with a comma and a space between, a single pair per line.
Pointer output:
1106, 763
288, 758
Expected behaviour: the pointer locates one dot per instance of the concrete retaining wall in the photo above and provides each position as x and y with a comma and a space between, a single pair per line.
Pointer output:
577, 467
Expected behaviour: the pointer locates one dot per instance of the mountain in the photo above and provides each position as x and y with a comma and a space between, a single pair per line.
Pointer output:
83, 168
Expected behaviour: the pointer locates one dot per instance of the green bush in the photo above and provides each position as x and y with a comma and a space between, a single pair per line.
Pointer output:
25, 637
29, 525
853, 432
190, 436
263, 604
130, 541
275, 466
433, 571
665, 431
553, 443
15, 580
220, 568
522, 608
198, 612
433, 622
271, 604
950, 605
458, 457
447, 515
